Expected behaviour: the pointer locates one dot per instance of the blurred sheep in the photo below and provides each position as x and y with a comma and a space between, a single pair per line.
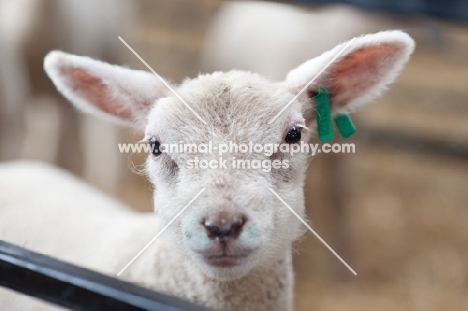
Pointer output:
34, 122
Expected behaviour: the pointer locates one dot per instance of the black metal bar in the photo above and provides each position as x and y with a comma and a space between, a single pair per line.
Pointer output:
77, 288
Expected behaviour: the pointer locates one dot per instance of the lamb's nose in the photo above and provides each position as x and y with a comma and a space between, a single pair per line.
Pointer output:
223, 228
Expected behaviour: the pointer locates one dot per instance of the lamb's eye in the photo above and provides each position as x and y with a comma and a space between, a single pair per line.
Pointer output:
155, 146
294, 135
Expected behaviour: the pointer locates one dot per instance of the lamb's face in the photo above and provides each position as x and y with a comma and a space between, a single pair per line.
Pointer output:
237, 222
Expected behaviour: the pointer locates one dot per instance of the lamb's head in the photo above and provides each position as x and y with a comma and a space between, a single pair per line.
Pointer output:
237, 223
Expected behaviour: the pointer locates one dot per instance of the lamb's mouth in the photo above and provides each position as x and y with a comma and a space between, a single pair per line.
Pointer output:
226, 255
225, 260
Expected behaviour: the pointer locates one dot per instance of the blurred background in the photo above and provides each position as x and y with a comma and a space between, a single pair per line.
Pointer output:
396, 211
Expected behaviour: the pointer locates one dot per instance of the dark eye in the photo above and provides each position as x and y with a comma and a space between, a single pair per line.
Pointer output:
155, 146
294, 135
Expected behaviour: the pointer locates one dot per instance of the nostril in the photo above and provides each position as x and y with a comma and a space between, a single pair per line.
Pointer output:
214, 231
227, 229
236, 227
238, 223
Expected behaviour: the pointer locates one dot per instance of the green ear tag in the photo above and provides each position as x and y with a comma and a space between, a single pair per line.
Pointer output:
345, 125
323, 115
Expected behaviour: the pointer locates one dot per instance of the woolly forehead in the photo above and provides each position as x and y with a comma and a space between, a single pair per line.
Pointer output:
236, 105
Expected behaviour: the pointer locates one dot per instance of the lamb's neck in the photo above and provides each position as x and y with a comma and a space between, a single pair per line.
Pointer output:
268, 287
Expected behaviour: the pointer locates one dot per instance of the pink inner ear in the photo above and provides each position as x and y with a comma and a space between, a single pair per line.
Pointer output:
96, 92
358, 72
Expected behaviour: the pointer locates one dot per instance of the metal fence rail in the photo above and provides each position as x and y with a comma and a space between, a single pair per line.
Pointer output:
77, 288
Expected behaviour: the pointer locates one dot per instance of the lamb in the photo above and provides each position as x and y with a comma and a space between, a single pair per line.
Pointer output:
231, 248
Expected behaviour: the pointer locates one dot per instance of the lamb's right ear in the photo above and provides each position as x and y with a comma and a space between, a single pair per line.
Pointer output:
99, 88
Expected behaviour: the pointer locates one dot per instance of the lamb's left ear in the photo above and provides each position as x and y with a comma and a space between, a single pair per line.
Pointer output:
359, 74
124, 95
